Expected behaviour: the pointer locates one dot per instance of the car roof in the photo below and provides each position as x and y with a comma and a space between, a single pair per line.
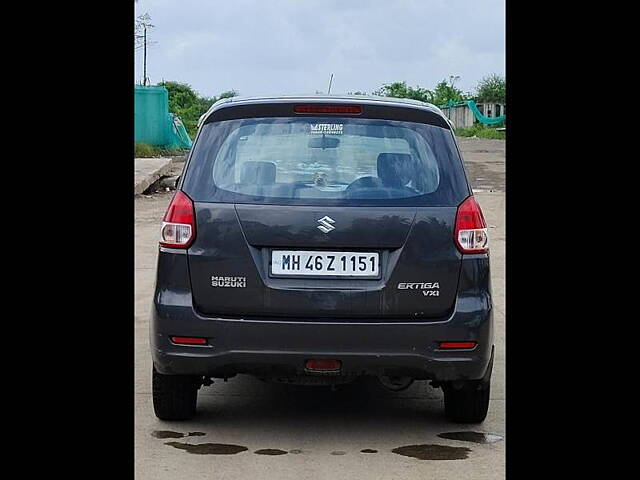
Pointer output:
322, 98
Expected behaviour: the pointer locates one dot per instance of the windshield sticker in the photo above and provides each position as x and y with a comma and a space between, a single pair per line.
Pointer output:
327, 128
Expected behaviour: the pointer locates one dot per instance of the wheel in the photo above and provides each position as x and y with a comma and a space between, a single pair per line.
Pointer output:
174, 396
468, 404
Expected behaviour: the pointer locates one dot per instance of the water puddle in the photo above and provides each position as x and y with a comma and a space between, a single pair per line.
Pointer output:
166, 434
474, 437
421, 452
433, 452
208, 448
171, 434
271, 451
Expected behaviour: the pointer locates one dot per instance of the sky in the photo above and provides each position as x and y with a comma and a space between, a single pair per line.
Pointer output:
290, 47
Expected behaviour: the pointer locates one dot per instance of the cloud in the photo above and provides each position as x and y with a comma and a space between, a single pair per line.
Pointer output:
280, 46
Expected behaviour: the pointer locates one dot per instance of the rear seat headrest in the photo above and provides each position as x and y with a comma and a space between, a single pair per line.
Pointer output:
395, 169
258, 173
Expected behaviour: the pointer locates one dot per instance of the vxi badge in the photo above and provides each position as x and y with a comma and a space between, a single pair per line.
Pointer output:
429, 289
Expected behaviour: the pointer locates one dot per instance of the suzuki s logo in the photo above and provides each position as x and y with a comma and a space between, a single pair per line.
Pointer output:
325, 224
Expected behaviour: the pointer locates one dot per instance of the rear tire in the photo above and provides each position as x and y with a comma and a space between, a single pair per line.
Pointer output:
174, 396
468, 404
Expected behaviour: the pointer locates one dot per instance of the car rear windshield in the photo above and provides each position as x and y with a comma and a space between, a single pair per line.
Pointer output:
325, 161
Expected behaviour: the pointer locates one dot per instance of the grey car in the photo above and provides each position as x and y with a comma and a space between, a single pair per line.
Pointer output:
313, 240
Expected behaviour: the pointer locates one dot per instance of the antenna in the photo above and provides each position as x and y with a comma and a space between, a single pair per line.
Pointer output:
330, 80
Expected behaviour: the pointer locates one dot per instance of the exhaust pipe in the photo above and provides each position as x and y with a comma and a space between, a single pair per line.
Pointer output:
395, 383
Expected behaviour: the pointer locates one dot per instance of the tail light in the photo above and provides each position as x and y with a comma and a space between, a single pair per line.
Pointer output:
179, 225
471, 229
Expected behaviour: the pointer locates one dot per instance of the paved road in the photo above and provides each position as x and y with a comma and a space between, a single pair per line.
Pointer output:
319, 434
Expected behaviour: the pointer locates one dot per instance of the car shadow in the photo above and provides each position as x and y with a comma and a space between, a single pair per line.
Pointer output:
247, 403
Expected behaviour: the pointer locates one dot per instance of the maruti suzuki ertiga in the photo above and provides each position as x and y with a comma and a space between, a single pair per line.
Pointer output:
313, 240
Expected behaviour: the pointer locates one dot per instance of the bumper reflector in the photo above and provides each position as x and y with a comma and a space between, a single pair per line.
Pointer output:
323, 365
457, 345
189, 340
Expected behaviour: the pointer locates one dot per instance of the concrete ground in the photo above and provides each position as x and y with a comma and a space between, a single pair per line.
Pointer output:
252, 429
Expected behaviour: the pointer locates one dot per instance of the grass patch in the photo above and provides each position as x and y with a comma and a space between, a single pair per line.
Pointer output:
144, 150
482, 131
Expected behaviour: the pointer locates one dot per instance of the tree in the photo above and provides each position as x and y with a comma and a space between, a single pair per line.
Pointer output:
492, 88
444, 93
227, 94
188, 105
401, 90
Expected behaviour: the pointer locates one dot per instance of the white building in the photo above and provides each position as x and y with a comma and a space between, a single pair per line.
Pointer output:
491, 109
463, 117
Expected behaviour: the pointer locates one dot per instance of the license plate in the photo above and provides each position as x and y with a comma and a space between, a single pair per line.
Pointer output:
339, 264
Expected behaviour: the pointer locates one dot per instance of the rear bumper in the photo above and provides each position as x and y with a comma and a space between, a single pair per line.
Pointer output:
282, 347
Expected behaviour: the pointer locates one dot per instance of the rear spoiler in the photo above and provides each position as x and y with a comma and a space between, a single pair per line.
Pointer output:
211, 109
229, 110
